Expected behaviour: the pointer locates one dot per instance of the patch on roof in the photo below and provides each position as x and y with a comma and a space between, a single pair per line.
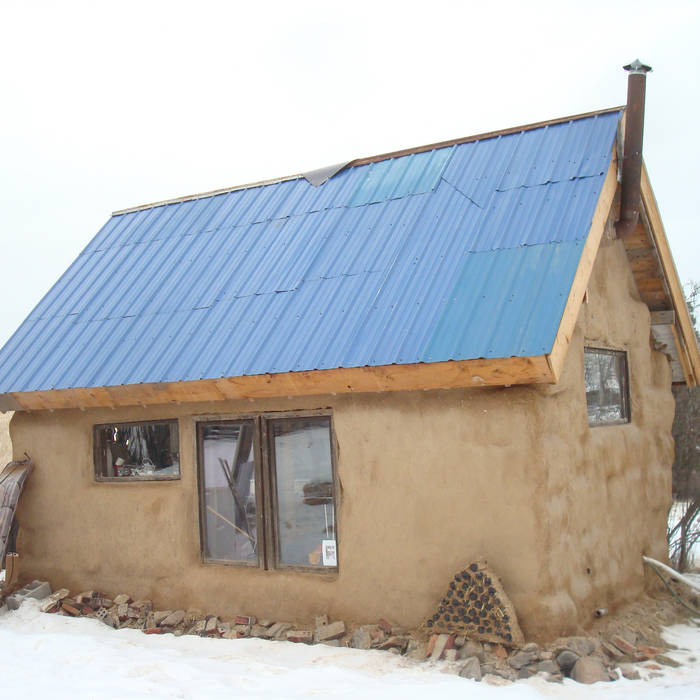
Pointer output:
320, 175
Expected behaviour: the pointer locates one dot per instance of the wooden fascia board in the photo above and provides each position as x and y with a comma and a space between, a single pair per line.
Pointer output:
437, 375
686, 337
557, 355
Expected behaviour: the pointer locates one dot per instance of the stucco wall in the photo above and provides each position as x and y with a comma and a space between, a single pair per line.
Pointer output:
429, 481
5, 443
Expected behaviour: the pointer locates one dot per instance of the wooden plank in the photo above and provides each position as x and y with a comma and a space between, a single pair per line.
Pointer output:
567, 324
650, 284
683, 357
438, 375
663, 318
687, 332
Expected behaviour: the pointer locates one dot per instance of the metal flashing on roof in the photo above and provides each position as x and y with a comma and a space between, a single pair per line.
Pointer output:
319, 176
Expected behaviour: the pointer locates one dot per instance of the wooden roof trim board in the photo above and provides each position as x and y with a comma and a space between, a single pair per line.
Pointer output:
583, 273
420, 376
688, 346
375, 159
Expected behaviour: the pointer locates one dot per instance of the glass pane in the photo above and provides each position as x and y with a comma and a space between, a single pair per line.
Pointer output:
305, 493
228, 482
143, 450
605, 376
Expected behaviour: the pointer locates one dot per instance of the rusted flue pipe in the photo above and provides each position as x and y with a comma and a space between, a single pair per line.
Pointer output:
630, 196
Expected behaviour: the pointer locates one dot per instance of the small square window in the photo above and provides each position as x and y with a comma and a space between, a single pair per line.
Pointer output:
607, 395
137, 451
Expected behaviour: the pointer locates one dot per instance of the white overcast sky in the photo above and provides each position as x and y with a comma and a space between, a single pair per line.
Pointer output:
106, 105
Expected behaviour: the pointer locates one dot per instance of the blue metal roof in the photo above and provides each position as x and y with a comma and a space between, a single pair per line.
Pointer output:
461, 252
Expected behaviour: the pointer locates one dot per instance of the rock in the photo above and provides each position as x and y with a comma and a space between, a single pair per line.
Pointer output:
416, 649
332, 631
121, 599
302, 636
471, 669
624, 646
394, 642
629, 672
566, 660
158, 615
521, 658
500, 651
612, 651
450, 655
666, 660
173, 619
460, 641
589, 669
647, 652
471, 648
331, 643
493, 679
278, 630
526, 672
583, 646
530, 648
547, 666
361, 639
211, 625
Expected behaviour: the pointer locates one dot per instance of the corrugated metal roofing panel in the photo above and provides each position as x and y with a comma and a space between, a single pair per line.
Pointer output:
460, 252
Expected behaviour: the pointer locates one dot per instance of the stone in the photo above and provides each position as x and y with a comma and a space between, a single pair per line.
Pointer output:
460, 641
493, 679
589, 669
450, 655
278, 630
332, 643
629, 672
211, 626
547, 666
499, 651
304, 636
416, 649
566, 660
385, 626
121, 599
471, 669
583, 646
320, 620
332, 631
470, 648
612, 651
520, 659
624, 646
173, 619
646, 651
530, 648
158, 615
666, 661
394, 642
361, 639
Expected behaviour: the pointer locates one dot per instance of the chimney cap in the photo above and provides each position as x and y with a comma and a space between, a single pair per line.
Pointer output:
637, 67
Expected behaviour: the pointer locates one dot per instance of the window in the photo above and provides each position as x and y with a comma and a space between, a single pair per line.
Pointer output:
137, 451
607, 394
267, 492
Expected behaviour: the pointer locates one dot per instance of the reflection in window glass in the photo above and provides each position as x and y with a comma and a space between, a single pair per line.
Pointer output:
606, 386
137, 450
228, 483
304, 478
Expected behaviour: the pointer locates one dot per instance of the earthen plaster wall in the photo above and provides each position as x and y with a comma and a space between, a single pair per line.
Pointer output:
428, 481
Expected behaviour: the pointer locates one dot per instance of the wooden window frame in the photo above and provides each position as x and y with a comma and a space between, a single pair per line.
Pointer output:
625, 393
97, 452
267, 520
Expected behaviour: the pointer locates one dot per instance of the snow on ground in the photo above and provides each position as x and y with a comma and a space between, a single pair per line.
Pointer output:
51, 656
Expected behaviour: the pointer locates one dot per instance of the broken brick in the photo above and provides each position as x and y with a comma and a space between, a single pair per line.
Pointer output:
244, 620
332, 631
303, 636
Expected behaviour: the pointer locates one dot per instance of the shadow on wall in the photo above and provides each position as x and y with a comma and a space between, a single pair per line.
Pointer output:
5, 444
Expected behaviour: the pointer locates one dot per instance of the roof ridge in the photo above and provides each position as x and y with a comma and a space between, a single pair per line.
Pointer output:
375, 159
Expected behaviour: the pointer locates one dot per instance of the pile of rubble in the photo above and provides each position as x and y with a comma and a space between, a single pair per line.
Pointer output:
585, 659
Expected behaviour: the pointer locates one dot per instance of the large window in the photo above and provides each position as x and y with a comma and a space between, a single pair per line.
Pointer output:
267, 492
607, 395
137, 451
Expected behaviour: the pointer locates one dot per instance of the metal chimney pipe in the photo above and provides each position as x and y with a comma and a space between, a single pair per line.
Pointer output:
630, 196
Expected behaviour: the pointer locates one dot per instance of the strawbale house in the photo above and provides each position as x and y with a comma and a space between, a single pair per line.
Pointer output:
329, 392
